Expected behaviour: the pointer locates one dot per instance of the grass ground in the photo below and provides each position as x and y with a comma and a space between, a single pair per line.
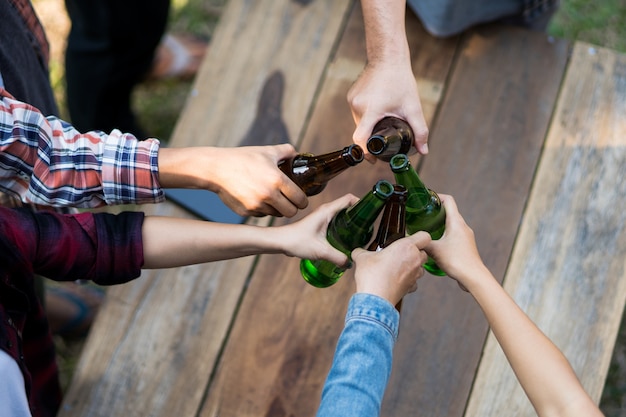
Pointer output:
600, 22
158, 104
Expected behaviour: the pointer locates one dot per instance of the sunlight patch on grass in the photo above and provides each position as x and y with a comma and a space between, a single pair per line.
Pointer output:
597, 22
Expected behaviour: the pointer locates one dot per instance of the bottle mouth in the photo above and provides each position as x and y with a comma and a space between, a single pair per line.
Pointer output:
400, 191
356, 153
384, 188
399, 161
376, 144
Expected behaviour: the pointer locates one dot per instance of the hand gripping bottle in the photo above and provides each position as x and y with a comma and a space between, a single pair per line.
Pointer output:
351, 228
423, 206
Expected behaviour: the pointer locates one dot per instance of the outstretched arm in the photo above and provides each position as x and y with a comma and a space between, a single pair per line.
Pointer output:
362, 363
170, 242
246, 179
111, 249
542, 370
45, 161
387, 86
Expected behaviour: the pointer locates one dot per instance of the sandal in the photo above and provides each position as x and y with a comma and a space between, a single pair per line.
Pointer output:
178, 57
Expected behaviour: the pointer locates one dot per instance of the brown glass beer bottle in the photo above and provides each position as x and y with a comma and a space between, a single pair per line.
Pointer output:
312, 172
390, 136
392, 223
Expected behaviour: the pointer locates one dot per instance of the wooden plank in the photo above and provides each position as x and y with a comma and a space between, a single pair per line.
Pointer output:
156, 337
484, 148
155, 343
282, 342
568, 270
261, 73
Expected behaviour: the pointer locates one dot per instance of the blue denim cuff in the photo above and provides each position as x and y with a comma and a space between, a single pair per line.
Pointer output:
376, 309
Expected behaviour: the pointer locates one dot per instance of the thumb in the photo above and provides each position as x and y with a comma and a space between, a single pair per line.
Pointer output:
364, 129
421, 239
420, 132
338, 258
358, 252
355, 255
284, 151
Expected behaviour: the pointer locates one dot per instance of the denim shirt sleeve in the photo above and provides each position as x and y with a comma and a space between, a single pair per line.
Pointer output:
362, 364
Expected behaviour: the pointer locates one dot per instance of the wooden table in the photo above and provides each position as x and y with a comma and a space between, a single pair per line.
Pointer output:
528, 133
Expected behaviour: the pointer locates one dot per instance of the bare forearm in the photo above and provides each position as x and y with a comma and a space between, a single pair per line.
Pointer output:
541, 368
177, 167
171, 242
385, 33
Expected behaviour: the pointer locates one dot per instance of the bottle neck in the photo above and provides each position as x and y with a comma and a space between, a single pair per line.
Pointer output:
352, 154
367, 209
393, 222
312, 172
385, 142
409, 178
390, 136
418, 194
333, 163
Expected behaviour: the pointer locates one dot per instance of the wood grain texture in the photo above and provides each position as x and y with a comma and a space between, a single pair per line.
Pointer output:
281, 346
156, 341
568, 270
156, 347
484, 148
280, 47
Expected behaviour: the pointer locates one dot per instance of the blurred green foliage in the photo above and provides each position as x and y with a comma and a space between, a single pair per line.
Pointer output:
600, 22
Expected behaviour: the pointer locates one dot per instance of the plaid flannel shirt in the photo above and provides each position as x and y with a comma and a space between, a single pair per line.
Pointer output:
45, 161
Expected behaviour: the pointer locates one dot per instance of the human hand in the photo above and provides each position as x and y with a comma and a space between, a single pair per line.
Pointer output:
393, 271
456, 251
246, 178
306, 238
387, 89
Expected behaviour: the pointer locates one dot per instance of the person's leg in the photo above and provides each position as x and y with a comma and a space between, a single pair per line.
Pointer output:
88, 60
536, 14
444, 18
110, 49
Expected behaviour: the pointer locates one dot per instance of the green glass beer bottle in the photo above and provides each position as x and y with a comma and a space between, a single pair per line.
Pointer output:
392, 223
312, 172
423, 206
390, 137
351, 228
